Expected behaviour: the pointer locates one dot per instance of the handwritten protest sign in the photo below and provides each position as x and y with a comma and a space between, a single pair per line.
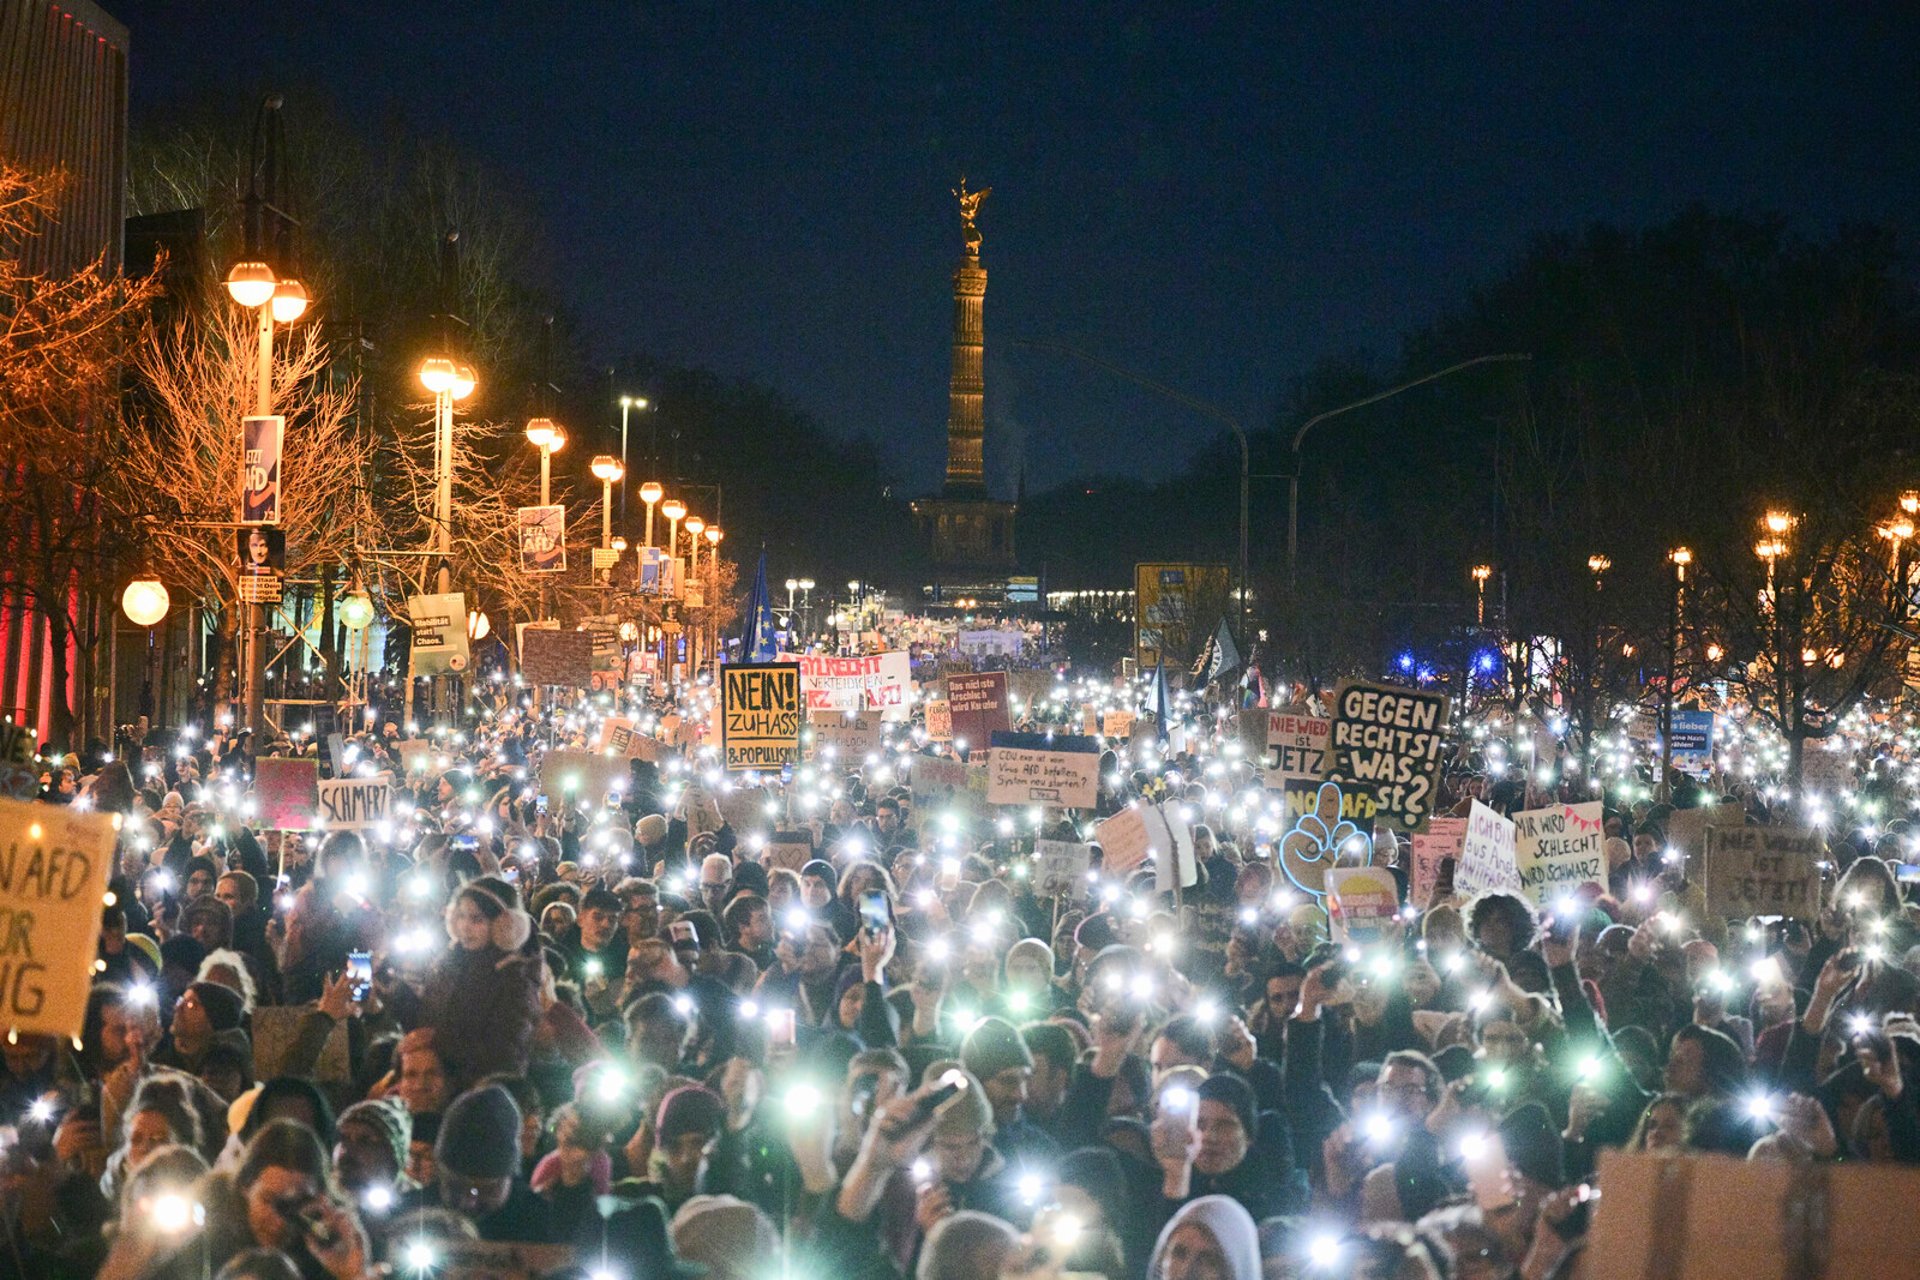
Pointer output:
1361, 903
1487, 853
788, 850
1441, 840
853, 736
355, 804
1170, 840
934, 779
1765, 871
562, 658
416, 755
1060, 866
864, 682
1124, 841
977, 706
760, 710
1388, 739
1687, 832
1296, 744
54, 864
276, 1034
1034, 768
500, 1260
571, 776
621, 737
940, 720
1301, 796
1116, 724
1558, 849
285, 793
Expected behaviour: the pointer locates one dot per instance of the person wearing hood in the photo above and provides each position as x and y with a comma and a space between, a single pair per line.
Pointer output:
482, 996
1212, 1238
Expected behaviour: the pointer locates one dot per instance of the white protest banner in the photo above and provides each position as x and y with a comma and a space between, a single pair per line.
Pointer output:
355, 804
1559, 848
1047, 769
54, 864
1124, 841
1486, 853
1362, 903
1763, 871
1171, 840
1442, 839
852, 735
439, 626
1388, 740
1060, 867
1297, 744
880, 682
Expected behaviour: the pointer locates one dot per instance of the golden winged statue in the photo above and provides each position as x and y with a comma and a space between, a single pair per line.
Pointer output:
969, 210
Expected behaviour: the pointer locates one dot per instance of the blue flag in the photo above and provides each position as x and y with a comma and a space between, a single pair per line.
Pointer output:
757, 643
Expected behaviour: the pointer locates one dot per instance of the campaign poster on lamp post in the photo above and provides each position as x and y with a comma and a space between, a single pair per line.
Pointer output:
262, 441
543, 539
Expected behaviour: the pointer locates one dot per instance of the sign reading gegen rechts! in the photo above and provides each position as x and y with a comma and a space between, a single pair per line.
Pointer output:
54, 863
760, 715
1388, 740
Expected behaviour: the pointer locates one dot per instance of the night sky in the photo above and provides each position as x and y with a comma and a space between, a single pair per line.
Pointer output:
1217, 201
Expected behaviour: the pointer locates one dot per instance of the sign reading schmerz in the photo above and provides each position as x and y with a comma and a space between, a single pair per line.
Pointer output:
1388, 740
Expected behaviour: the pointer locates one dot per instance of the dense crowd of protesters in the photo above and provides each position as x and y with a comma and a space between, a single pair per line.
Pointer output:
644, 1033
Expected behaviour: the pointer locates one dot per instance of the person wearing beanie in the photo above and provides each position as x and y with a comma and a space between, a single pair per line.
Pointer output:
999, 1058
1533, 1147
477, 1174
1028, 991
729, 1237
689, 1123
482, 995
1238, 1153
206, 1014
370, 1145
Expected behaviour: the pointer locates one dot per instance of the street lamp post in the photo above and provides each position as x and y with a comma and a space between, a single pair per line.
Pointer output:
626, 403
650, 493
549, 437
673, 509
448, 382
1680, 557
714, 534
695, 525
607, 470
806, 606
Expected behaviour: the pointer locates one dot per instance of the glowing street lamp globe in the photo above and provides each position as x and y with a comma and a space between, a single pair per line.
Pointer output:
145, 601
356, 612
463, 381
606, 468
651, 492
251, 283
478, 624
673, 509
289, 301
694, 525
437, 375
714, 535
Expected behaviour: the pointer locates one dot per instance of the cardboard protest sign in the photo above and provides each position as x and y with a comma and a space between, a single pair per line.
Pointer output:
563, 658
439, 627
285, 793
1037, 768
1300, 796
416, 755
864, 682
1060, 867
1388, 739
1763, 871
570, 776
940, 720
788, 850
1296, 744
745, 809
1487, 853
852, 735
1362, 903
54, 866
355, 804
760, 715
1825, 769
977, 705
1441, 840
619, 736
1559, 848
500, 1260
1170, 839
1687, 832
1116, 724
1124, 841
934, 779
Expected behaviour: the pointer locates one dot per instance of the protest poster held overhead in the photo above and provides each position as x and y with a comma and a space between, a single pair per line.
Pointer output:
439, 624
977, 707
880, 682
54, 866
1768, 871
1487, 853
1389, 739
1559, 849
1045, 769
285, 793
355, 804
761, 712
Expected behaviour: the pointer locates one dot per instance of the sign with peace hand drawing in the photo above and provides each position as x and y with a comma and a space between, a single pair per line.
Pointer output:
1322, 839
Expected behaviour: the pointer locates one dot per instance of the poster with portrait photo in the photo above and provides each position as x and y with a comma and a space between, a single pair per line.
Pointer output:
262, 551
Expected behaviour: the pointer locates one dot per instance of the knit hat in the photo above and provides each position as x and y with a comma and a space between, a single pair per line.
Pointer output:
994, 1046
480, 1135
223, 1004
725, 1234
970, 1114
689, 1109
825, 871
211, 910
1533, 1145
386, 1117
1096, 932
1232, 1091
